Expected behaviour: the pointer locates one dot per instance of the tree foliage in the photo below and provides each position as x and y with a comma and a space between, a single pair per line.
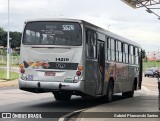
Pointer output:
144, 56
15, 38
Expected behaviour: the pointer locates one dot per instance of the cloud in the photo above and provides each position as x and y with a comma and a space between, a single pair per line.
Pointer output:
135, 24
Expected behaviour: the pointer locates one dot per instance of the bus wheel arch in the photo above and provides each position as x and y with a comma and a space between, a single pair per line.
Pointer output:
130, 94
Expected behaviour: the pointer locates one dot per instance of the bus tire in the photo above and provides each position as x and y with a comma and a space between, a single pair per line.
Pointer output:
85, 97
110, 89
62, 96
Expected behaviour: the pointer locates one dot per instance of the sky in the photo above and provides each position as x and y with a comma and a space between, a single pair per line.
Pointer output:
119, 18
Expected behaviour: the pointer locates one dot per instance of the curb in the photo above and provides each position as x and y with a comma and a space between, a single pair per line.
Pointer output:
73, 116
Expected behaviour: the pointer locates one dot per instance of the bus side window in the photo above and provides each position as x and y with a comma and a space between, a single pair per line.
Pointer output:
108, 49
117, 52
112, 49
136, 55
91, 43
131, 60
126, 51
124, 55
120, 50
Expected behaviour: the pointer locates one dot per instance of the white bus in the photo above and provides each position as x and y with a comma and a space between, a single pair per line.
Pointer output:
73, 57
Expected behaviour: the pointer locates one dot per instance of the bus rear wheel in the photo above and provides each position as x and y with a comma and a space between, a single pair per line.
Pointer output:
62, 96
109, 96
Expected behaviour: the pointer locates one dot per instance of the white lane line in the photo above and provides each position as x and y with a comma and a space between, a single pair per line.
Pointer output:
149, 91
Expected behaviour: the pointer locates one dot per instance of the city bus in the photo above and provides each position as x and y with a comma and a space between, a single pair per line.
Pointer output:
74, 57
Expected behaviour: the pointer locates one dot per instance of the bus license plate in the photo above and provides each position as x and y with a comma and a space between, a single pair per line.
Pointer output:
50, 73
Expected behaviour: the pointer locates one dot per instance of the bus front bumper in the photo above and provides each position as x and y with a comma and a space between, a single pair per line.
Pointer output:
42, 86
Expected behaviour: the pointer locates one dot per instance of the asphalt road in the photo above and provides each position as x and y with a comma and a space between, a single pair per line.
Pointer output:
15, 100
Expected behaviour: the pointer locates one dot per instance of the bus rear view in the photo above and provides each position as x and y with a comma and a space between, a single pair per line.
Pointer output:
51, 58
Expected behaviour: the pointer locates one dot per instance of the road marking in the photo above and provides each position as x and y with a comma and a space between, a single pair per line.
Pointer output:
149, 91
69, 115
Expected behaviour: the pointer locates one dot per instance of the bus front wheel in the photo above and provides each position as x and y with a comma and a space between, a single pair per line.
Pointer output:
62, 96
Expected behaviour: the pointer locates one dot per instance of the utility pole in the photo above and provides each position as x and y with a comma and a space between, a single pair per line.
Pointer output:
8, 46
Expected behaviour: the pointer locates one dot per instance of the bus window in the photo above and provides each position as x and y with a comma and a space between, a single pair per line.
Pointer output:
112, 49
52, 33
133, 58
108, 51
118, 51
125, 53
136, 55
130, 54
91, 43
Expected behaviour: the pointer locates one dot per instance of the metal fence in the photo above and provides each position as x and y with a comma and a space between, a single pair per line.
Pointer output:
14, 60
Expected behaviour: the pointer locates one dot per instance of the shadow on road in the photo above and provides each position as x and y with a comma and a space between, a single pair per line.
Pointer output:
74, 104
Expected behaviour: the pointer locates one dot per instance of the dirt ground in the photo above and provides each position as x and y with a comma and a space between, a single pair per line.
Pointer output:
4, 83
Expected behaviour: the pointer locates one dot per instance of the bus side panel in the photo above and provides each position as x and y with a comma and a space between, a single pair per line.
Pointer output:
109, 69
131, 76
90, 77
119, 77
122, 75
118, 73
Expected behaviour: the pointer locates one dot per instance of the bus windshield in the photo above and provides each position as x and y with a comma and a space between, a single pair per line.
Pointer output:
52, 33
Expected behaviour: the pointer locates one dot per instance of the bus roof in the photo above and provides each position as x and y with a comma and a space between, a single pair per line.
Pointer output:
110, 34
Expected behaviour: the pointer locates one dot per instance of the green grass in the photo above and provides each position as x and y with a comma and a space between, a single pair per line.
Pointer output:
150, 64
13, 75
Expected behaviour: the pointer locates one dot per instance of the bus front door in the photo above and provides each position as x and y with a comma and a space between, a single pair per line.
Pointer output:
100, 66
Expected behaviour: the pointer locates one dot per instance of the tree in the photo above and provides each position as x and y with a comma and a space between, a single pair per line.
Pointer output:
14, 41
144, 56
3, 37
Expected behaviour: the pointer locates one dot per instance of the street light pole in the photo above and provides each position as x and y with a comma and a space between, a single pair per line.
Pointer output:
8, 46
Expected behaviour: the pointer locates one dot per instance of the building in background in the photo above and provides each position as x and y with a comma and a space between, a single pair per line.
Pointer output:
153, 56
